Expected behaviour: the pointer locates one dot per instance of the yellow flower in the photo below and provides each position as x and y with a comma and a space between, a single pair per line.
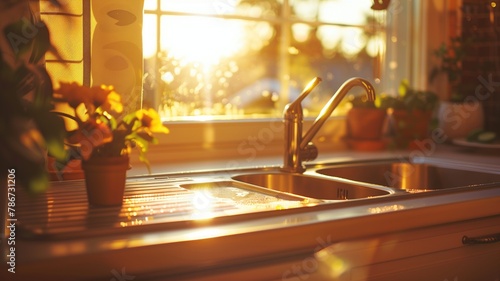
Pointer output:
114, 102
106, 98
100, 133
151, 119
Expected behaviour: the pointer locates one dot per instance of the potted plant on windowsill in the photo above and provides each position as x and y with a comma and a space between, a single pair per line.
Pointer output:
462, 112
364, 124
103, 139
412, 114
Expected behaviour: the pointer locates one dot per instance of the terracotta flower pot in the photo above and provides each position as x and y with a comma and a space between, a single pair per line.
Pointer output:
365, 123
105, 180
410, 126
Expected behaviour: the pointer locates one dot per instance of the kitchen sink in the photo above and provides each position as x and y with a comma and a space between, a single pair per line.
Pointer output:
412, 177
312, 186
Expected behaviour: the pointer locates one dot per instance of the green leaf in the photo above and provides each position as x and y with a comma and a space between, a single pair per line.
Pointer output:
129, 118
52, 129
141, 142
403, 87
144, 146
16, 40
38, 183
26, 140
41, 42
43, 89
361, 102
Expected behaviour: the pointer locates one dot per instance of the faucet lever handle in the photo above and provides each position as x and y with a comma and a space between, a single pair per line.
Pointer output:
307, 90
309, 153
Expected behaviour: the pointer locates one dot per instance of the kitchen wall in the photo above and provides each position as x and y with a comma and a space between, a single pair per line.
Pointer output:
481, 20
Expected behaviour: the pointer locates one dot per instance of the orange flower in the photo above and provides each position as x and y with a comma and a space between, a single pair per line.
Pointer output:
73, 94
100, 133
99, 95
93, 97
106, 98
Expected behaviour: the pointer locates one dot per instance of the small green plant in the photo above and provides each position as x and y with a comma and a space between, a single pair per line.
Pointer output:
410, 99
100, 132
451, 57
361, 101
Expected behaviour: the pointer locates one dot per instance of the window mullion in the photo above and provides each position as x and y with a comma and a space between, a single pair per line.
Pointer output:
273, 20
284, 59
87, 35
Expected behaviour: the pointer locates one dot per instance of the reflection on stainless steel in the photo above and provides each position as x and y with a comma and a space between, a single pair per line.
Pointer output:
63, 210
385, 208
313, 187
299, 147
152, 204
412, 177
244, 196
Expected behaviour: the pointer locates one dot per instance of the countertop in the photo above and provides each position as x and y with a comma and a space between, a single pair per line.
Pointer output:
488, 159
213, 244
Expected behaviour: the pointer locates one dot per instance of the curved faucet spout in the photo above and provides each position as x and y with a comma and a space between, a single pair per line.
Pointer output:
333, 103
298, 147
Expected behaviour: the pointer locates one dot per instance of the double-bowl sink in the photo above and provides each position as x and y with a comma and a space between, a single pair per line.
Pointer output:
359, 180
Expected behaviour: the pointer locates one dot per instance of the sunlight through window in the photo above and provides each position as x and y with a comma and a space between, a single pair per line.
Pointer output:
227, 59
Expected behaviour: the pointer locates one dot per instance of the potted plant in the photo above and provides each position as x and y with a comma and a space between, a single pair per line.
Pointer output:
364, 124
103, 139
411, 111
463, 112
29, 130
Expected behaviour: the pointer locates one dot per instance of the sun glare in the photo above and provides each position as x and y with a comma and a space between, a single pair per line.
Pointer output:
198, 46
206, 40
200, 39
194, 39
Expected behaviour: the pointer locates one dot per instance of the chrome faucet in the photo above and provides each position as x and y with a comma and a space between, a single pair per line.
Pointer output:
298, 147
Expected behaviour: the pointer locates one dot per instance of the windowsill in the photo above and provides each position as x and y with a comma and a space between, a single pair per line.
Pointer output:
230, 144
443, 154
330, 156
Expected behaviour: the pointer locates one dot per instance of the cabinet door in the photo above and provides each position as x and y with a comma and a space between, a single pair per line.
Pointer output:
478, 262
432, 253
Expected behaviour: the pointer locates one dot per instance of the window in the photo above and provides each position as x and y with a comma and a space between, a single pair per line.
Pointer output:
235, 63
227, 59
230, 59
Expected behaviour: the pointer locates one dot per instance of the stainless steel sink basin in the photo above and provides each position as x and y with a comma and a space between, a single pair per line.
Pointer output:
312, 187
412, 177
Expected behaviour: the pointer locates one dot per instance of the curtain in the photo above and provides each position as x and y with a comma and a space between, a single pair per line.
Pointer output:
99, 42
117, 48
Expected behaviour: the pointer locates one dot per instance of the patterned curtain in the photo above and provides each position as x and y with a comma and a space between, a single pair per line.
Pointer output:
100, 42
117, 48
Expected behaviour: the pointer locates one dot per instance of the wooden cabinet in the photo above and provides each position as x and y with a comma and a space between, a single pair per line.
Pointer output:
433, 253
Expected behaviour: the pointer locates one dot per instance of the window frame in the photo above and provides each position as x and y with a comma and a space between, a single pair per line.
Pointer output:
285, 20
243, 141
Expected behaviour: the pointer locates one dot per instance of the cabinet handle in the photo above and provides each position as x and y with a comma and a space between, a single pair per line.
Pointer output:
486, 239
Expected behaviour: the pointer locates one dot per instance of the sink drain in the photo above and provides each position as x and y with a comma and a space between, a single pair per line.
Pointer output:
342, 194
